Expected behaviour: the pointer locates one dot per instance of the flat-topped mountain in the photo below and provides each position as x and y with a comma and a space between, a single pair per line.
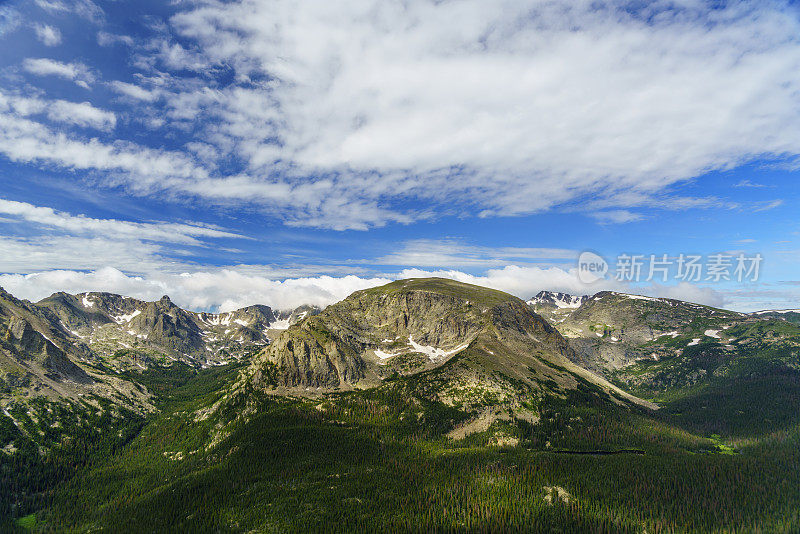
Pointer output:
470, 343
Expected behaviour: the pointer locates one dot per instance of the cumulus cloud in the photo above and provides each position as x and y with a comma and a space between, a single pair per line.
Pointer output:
224, 290
230, 288
76, 72
48, 35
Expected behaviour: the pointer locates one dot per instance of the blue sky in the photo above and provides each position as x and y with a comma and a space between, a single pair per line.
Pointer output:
229, 153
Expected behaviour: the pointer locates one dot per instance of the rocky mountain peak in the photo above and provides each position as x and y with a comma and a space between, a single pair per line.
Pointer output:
557, 299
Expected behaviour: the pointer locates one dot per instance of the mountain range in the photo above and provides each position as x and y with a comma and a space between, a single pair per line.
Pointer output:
421, 370
78, 345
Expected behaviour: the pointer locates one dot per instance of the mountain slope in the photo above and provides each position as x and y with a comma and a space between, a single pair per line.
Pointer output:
610, 330
713, 369
549, 300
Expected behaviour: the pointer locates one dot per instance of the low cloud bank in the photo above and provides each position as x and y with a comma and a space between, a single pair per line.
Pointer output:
229, 289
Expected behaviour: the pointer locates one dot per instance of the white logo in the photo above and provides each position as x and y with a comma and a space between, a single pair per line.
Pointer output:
591, 267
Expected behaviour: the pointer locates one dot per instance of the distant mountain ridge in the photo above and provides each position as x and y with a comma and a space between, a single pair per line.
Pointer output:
557, 299
74, 345
107, 323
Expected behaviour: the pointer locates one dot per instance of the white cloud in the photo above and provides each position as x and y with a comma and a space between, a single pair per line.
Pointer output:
48, 35
83, 8
134, 91
80, 114
531, 104
616, 216
363, 114
453, 253
107, 39
689, 292
9, 19
767, 205
230, 288
55, 238
76, 72
42, 252
225, 289
159, 231
23, 140
748, 183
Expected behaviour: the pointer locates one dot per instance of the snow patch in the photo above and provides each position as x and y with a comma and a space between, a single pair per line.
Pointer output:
384, 355
641, 297
433, 353
119, 319
87, 303
712, 333
217, 320
695, 341
280, 324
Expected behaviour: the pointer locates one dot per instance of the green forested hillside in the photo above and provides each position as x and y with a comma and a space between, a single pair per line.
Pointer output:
378, 460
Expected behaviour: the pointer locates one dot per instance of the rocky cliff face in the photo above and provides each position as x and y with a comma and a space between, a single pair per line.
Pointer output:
28, 345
